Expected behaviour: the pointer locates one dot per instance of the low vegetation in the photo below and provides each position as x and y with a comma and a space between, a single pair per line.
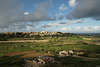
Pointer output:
55, 43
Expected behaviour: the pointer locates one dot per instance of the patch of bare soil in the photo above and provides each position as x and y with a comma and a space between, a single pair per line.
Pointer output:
97, 44
19, 53
24, 41
27, 54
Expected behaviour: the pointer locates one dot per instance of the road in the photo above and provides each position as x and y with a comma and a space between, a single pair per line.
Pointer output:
24, 41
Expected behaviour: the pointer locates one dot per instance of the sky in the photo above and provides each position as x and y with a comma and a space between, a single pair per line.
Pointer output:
70, 16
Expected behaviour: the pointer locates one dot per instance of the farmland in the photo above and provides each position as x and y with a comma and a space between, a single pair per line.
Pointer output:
31, 47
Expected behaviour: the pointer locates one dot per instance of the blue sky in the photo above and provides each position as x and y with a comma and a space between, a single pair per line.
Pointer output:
73, 16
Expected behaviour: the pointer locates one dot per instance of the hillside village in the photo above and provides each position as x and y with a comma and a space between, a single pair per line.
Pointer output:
34, 35
42, 33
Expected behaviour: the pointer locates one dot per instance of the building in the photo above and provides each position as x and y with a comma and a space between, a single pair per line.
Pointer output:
41, 60
46, 59
63, 53
70, 53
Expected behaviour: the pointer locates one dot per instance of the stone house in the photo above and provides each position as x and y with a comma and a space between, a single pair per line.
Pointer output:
38, 61
66, 53
70, 53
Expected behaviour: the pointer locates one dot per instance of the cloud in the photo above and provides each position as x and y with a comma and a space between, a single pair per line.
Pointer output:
47, 25
60, 17
72, 3
96, 28
82, 29
62, 23
50, 25
63, 7
86, 9
11, 12
35, 5
22, 25
25, 29
41, 13
26, 13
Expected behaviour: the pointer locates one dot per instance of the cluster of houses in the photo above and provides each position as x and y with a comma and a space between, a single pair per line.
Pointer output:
34, 33
70, 53
42, 33
42, 60
37, 62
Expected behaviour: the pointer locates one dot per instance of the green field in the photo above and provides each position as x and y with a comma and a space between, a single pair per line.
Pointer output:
54, 45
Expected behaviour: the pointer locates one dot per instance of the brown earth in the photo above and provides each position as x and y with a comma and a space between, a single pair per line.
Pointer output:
97, 44
24, 41
19, 53
27, 54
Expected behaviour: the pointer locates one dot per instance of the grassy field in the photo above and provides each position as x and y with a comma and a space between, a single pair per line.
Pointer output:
52, 45
73, 62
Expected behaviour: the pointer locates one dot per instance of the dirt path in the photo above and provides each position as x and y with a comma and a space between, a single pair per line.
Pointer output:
24, 41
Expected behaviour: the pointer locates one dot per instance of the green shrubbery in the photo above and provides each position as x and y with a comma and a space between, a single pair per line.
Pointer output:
72, 62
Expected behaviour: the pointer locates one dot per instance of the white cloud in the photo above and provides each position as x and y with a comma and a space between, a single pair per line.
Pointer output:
68, 22
64, 29
72, 3
63, 7
50, 25
26, 13
95, 29
12, 12
27, 28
